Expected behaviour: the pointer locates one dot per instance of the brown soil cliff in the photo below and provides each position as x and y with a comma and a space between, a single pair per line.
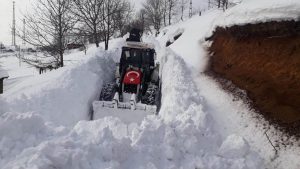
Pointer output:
264, 60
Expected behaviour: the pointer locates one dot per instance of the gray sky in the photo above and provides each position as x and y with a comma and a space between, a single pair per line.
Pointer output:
6, 17
23, 5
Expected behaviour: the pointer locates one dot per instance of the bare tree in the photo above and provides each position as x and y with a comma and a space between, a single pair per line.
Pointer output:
154, 13
165, 11
2, 47
89, 14
123, 17
49, 26
183, 4
109, 8
219, 3
171, 8
224, 4
139, 22
112, 17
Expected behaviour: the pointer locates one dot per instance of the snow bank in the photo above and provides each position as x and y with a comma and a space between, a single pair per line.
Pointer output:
63, 96
40, 108
182, 104
189, 44
190, 132
182, 137
19, 131
255, 11
231, 116
178, 90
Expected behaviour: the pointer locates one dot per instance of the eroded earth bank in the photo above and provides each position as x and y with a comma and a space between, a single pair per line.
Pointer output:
264, 60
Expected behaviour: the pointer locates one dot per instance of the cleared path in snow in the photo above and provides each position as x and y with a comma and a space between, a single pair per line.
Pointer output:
180, 137
230, 115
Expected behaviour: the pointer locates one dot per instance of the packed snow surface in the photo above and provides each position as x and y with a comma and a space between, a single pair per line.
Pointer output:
44, 119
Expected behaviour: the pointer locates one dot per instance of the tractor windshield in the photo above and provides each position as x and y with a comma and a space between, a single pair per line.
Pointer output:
137, 57
133, 57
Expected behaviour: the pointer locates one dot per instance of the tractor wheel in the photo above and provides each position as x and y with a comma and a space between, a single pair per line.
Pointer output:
108, 91
150, 97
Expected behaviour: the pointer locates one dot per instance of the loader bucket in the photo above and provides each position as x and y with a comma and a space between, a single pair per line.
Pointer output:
128, 112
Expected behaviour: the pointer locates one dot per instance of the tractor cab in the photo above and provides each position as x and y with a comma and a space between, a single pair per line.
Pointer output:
135, 68
136, 91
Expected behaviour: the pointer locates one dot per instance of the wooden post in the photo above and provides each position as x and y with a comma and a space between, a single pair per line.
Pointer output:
1, 84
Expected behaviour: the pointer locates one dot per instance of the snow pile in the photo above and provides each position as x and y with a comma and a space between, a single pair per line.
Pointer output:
255, 11
189, 45
182, 137
231, 116
199, 126
63, 96
19, 131
233, 147
182, 105
178, 90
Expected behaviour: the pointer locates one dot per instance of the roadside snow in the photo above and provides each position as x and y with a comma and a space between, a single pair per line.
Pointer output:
43, 107
63, 96
188, 45
172, 140
199, 125
231, 116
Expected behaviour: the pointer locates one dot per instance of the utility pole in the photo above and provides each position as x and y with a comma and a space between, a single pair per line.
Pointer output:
24, 32
24, 41
182, 9
191, 9
14, 26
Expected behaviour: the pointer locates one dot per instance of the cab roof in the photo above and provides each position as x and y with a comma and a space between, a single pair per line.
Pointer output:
138, 45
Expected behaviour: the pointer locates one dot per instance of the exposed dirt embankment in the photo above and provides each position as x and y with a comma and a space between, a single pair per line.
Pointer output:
264, 60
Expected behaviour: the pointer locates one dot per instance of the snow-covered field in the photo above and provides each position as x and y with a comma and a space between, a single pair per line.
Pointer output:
44, 119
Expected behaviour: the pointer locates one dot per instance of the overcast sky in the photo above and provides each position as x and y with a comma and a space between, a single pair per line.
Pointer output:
23, 5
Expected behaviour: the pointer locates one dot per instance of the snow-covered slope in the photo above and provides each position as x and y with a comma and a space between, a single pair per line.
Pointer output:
44, 118
63, 96
230, 114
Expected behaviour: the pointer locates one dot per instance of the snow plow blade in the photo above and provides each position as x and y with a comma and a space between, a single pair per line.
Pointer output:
128, 112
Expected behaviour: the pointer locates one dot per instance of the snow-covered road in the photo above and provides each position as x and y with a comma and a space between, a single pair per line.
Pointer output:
182, 136
44, 118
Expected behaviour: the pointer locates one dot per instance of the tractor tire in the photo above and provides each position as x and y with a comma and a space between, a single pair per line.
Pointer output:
151, 95
108, 92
